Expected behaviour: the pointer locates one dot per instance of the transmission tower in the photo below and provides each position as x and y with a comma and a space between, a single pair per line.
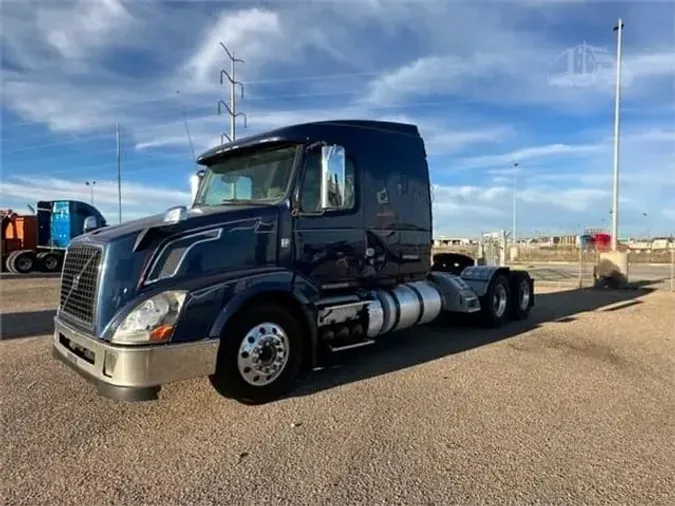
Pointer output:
232, 107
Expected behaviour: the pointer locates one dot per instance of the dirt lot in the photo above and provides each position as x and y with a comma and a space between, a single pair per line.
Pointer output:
574, 406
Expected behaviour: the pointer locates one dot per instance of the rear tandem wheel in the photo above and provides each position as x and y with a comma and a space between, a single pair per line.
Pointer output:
522, 295
21, 262
49, 261
495, 304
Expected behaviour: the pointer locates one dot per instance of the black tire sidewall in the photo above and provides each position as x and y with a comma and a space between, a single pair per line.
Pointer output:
16, 259
517, 312
9, 262
489, 317
45, 258
228, 380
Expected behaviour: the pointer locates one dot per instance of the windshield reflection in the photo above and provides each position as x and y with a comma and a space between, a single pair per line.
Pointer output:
261, 176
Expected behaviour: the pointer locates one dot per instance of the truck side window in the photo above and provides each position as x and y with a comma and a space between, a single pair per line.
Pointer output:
310, 191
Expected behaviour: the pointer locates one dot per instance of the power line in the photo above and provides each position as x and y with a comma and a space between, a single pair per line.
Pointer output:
160, 163
173, 111
260, 97
232, 108
199, 92
274, 111
176, 123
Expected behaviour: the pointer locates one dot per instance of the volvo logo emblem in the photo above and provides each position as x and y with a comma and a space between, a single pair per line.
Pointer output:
76, 281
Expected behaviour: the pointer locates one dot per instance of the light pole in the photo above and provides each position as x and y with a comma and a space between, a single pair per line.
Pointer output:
515, 171
615, 189
119, 173
91, 185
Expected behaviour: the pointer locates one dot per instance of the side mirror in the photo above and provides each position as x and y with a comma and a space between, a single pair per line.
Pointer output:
175, 214
195, 182
90, 223
333, 177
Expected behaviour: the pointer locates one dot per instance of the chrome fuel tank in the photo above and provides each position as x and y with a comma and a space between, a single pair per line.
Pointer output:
403, 306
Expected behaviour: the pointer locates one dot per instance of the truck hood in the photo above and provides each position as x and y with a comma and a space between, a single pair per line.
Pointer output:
147, 255
197, 217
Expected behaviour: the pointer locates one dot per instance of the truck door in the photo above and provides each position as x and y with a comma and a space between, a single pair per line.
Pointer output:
329, 245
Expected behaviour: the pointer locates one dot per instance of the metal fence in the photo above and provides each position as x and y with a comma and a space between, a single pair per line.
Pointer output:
657, 272
569, 265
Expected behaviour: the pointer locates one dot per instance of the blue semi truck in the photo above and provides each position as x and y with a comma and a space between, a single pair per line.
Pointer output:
305, 240
39, 241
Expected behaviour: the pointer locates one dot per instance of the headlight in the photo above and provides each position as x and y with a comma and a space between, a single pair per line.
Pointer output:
152, 320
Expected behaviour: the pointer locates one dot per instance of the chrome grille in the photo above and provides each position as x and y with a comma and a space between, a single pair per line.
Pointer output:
79, 282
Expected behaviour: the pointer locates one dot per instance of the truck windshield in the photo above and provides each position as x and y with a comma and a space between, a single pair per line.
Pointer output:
261, 176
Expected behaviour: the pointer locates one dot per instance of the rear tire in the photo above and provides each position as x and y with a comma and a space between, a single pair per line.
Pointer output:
9, 262
495, 303
21, 262
522, 295
51, 262
259, 356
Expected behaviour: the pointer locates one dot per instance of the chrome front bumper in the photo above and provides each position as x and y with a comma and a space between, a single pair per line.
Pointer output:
132, 373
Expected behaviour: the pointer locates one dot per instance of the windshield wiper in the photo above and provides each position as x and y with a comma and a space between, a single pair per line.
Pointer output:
239, 201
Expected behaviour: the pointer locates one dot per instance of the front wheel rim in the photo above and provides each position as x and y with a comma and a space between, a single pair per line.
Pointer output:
263, 354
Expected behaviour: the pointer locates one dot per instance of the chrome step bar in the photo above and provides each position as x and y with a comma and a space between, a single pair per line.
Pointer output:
351, 346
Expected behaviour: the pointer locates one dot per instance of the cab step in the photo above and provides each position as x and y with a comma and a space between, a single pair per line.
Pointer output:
344, 347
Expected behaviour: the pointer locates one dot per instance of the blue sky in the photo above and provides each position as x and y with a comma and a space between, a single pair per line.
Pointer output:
487, 82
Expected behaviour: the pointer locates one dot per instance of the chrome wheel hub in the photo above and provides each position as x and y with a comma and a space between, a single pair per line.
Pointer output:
499, 301
24, 263
524, 299
263, 354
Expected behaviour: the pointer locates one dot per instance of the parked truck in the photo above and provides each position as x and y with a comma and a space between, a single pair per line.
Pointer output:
38, 241
300, 242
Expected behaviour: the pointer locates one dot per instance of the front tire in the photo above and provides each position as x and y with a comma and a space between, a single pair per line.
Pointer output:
260, 355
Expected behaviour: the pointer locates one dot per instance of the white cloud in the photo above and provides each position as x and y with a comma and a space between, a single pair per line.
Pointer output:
529, 71
475, 81
137, 199
533, 152
442, 141
87, 26
424, 76
655, 64
253, 32
573, 199
440, 137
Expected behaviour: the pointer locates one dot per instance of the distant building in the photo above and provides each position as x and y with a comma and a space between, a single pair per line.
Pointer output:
448, 242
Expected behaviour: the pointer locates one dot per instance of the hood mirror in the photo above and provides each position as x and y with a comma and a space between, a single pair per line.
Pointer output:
90, 223
175, 214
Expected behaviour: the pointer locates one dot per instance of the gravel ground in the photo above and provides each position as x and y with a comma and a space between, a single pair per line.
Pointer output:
574, 406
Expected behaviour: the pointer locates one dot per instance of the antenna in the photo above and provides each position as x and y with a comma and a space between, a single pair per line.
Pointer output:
187, 132
232, 107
